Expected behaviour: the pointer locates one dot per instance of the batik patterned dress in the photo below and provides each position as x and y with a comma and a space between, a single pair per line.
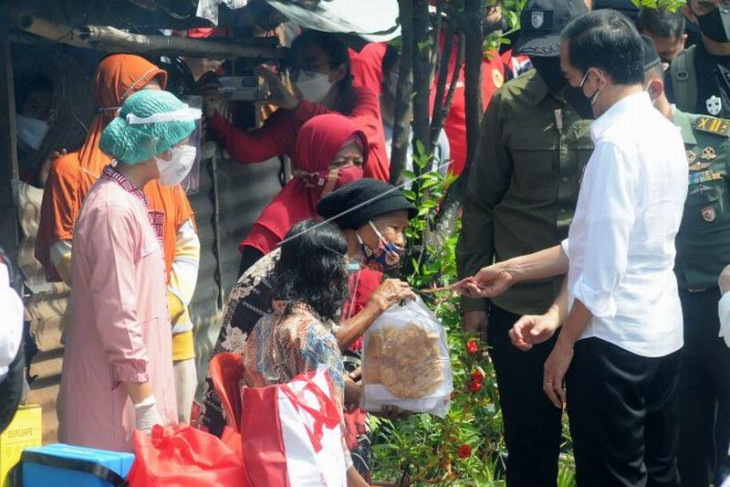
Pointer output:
282, 346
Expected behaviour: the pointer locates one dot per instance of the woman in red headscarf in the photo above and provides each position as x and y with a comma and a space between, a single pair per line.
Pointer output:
330, 152
117, 77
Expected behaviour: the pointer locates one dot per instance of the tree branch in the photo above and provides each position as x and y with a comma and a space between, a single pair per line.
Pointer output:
403, 105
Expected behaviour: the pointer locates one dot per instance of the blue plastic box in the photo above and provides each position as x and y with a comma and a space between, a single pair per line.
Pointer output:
38, 475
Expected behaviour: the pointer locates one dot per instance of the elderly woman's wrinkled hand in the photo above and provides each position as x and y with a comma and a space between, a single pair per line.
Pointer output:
390, 292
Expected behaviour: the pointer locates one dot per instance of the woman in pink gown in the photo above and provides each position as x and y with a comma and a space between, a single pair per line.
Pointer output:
117, 373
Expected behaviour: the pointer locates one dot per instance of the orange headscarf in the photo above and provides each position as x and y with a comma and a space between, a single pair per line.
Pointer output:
117, 77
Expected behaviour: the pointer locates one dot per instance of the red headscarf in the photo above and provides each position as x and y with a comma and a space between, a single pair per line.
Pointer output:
318, 142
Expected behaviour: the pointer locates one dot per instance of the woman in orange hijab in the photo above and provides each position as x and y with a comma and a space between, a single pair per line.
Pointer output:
117, 77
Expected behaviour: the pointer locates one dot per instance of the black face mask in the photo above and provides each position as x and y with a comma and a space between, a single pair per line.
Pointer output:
549, 70
580, 103
716, 24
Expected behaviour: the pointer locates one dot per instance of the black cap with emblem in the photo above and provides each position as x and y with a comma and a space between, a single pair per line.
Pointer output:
542, 21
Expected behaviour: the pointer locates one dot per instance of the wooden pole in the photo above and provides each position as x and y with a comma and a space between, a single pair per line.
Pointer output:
8, 149
111, 39
475, 14
473, 23
403, 105
422, 70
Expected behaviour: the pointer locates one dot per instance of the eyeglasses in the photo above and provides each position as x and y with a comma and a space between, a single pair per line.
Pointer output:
323, 68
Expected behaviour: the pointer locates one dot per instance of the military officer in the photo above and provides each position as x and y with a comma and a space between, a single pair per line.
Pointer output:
699, 80
522, 193
703, 250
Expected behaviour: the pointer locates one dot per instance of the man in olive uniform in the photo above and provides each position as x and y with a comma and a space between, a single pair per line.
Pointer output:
699, 80
522, 192
703, 250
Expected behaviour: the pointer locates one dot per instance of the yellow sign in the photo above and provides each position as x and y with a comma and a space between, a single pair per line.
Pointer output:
25, 431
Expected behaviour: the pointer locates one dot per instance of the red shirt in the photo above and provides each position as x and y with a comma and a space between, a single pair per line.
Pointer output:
367, 66
455, 123
278, 135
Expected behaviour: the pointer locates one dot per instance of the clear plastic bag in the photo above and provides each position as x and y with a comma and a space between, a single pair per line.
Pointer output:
406, 362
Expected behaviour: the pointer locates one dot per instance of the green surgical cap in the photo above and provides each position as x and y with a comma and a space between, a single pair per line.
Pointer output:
133, 143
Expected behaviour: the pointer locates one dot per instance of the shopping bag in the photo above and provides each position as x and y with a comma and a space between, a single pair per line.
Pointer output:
406, 361
291, 434
181, 456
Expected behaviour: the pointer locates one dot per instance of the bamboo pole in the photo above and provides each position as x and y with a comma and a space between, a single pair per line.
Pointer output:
111, 39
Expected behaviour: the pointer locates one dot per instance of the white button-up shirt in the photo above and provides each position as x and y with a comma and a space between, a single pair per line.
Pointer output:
621, 242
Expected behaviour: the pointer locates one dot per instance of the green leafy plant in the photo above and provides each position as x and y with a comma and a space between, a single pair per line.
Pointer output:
467, 446
671, 5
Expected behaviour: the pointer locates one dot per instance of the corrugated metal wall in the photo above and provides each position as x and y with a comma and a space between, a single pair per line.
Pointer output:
243, 193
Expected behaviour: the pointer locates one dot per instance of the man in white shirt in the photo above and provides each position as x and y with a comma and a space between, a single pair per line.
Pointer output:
623, 332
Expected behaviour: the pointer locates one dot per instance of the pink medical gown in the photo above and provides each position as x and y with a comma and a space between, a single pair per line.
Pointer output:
120, 330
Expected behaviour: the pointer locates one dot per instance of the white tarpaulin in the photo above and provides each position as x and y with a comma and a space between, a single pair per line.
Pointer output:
208, 9
374, 20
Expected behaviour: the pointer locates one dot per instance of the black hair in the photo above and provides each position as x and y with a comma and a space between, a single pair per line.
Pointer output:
312, 269
653, 68
336, 51
661, 22
391, 57
30, 82
608, 41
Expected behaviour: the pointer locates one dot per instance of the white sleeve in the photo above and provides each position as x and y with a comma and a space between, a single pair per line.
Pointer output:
12, 310
723, 308
610, 217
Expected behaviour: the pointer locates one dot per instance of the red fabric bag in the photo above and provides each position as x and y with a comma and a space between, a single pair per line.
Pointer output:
291, 435
181, 456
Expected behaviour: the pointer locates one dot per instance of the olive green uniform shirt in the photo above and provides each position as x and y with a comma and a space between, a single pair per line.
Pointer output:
523, 187
703, 241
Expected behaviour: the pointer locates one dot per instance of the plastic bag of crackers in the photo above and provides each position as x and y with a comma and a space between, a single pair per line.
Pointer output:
406, 362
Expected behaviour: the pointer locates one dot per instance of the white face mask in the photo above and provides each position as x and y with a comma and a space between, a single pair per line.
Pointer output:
31, 130
313, 87
173, 172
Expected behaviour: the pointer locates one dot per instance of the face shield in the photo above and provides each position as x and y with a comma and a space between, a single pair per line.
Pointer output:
183, 167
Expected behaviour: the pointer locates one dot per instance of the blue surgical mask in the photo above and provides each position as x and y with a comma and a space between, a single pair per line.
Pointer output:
385, 257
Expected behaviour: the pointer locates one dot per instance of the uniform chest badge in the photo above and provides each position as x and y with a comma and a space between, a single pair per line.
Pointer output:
691, 157
708, 214
699, 166
497, 78
537, 19
708, 154
714, 105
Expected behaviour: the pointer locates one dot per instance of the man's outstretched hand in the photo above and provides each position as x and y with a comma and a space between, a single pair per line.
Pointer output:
489, 282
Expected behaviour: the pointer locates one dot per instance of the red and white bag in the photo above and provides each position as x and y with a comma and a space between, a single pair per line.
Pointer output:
291, 434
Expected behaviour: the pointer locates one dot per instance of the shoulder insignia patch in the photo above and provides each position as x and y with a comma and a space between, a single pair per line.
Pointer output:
713, 125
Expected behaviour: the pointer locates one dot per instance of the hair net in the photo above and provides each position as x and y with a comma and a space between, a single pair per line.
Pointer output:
129, 139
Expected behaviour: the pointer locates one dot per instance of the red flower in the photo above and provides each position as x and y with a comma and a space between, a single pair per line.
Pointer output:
474, 386
472, 346
464, 451
477, 375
